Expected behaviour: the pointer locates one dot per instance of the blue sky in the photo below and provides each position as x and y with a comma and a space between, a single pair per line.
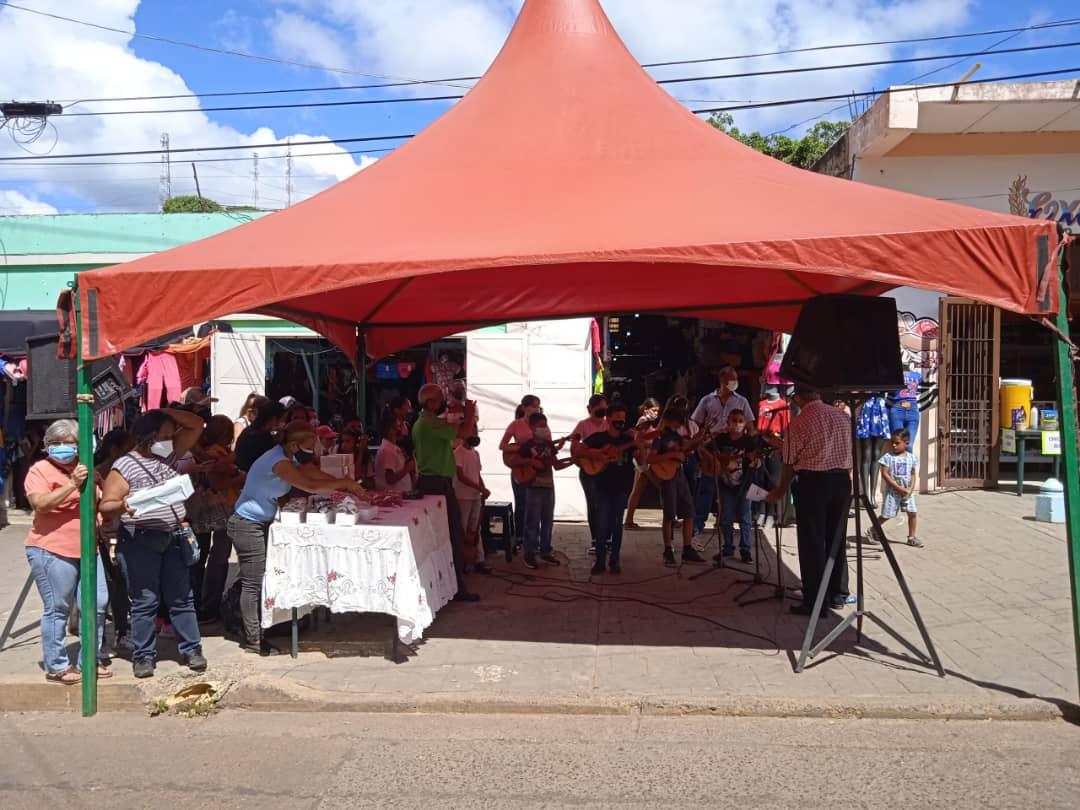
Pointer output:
419, 39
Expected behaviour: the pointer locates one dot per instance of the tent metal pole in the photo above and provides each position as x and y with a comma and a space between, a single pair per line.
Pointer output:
1067, 400
88, 546
361, 378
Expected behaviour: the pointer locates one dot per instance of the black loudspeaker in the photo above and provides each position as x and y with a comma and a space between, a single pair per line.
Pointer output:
845, 343
51, 382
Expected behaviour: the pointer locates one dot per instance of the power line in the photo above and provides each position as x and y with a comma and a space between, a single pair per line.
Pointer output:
886, 91
74, 164
399, 80
679, 80
322, 142
778, 103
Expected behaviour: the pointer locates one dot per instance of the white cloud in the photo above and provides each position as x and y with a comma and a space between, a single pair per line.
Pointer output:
45, 58
436, 39
15, 202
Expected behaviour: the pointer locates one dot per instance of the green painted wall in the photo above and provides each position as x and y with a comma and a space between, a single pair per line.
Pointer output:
36, 286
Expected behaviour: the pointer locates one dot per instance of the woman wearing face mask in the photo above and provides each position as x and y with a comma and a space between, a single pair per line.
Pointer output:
258, 437
595, 423
648, 419
271, 477
149, 550
53, 548
517, 433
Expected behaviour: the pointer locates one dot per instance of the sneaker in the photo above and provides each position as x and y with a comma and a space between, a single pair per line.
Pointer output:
530, 562
915, 541
551, 559
870, 538
143, 668
598, 567
196, 662
669, 556
614, 567
729, 552
746, 556
689, 555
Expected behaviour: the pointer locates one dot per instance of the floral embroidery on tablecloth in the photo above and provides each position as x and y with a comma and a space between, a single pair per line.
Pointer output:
332, 576
269, 604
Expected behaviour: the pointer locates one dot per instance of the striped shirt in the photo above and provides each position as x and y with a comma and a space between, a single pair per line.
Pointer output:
819, 439
142, 472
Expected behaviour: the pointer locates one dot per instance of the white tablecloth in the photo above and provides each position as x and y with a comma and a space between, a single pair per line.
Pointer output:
400, 563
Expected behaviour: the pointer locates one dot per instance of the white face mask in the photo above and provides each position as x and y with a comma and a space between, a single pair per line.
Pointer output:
162, 449
732, 386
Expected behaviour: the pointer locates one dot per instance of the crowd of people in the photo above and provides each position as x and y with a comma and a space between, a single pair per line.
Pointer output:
171, 562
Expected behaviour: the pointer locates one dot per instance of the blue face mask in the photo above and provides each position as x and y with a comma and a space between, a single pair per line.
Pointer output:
63, 453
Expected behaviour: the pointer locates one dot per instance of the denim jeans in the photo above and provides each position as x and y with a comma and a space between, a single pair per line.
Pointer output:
539, 516
250, 538
704, 502
735, 507
609, 519
57, 580
519, 509
905, 418
155, 577
588, 486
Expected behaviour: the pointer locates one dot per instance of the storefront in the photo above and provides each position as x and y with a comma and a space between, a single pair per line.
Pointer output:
1005, 148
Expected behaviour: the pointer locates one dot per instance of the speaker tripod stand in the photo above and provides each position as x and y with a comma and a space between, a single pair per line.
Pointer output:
862, 502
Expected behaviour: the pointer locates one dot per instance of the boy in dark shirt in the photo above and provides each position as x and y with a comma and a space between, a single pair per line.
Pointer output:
738, 453
671, 447
615, 447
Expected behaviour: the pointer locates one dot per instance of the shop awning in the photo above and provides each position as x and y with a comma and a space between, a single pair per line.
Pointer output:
568, 183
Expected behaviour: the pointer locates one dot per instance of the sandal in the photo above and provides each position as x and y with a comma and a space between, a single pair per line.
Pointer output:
103, 672
67, 677
630, 525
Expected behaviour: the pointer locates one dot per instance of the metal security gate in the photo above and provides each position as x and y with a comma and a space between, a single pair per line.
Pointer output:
970, 366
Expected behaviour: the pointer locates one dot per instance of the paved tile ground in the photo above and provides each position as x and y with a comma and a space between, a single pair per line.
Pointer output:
992, 585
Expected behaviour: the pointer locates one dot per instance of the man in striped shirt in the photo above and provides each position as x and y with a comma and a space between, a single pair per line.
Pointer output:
817, 457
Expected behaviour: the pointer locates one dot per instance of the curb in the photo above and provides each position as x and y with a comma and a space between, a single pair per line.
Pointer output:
278, 695
263, 694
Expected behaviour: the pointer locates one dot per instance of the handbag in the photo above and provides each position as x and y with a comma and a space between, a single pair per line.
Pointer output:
181, 533
208, 511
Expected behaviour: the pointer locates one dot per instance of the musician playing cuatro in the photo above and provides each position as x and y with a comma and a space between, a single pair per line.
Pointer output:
669, 452
608, 458
532, 465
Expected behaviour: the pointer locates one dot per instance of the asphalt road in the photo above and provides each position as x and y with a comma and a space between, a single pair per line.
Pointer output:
238, 760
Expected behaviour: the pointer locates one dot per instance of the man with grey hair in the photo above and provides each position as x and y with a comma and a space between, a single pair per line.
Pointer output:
433, 438
713, 411
817, 458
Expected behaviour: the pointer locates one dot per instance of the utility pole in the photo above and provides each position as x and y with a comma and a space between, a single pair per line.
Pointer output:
166, 170
255, 179
288, 174
198, 191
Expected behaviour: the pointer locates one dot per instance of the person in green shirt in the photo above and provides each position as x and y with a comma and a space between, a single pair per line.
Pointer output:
433, 438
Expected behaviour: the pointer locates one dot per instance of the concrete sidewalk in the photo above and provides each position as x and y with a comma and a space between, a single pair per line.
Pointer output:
992, 585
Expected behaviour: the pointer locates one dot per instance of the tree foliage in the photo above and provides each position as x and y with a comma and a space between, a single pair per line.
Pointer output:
803, 152
189, 205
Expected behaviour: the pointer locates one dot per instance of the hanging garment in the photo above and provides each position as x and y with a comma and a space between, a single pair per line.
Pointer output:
160, 373
873, 420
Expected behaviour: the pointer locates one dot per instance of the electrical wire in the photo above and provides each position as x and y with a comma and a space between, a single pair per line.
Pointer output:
758, 105
157, 162
886, 91
685, 79
450, 81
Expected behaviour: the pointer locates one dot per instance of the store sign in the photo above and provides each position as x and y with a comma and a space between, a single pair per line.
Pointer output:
1041, 204
1051, 443
1008, 441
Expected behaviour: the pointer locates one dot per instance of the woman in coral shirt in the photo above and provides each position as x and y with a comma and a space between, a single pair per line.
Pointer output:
53, 548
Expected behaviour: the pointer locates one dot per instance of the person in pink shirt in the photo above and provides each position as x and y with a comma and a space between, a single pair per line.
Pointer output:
53, 547
517, 433
595, 423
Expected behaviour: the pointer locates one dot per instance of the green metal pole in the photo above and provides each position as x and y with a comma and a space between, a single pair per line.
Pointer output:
1071, 468
88, 546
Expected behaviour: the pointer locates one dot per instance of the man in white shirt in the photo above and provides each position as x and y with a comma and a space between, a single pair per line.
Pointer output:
713, 411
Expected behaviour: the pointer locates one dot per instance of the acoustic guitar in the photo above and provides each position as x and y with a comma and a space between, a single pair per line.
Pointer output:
610, 454
524, 475
666, 470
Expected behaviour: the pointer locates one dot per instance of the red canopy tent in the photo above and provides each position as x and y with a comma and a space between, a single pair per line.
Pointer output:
568, 183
